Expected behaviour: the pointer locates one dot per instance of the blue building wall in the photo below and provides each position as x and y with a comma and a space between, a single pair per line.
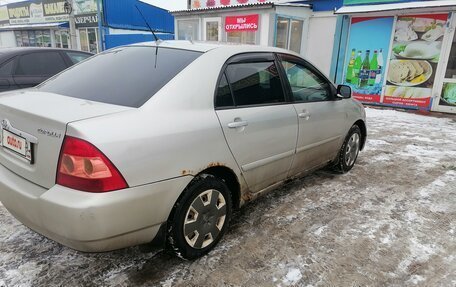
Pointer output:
124, 15
112, 41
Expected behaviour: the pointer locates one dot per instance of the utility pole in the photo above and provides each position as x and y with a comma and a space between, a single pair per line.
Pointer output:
69, 9
100, 32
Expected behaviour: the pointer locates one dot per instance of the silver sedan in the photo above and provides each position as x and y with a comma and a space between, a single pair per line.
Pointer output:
162, 141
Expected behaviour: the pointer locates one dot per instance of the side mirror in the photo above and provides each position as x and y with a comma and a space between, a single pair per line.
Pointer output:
344, 91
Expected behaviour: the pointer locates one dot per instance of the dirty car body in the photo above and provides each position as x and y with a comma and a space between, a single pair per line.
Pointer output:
167, 139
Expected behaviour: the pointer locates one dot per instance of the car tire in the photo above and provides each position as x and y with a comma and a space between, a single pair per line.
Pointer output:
199, 218
349, 151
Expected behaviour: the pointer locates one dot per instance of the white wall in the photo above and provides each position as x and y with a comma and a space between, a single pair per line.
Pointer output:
7, 39
320, 41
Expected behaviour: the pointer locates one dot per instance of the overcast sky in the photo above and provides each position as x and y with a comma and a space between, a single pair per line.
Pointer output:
167, 4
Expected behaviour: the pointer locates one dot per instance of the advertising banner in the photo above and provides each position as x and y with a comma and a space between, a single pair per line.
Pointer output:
414, 56
195, 4
36, 12
4, 18
241, 23
364, 68
85, 6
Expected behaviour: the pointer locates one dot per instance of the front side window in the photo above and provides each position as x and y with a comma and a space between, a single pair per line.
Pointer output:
76, 57
255, 83
306, 86
126, 76
6, 69
40, 64
224, 98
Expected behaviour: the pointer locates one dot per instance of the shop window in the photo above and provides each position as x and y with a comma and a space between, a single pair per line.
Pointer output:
188, 29
241, 37
255, 83
62, 39
212, 31
40, 64
33, 38
305, 85
89, 40
289, 34
451, 66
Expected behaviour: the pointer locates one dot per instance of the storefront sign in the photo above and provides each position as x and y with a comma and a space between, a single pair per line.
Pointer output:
4, 18
88, 20
54, 7
85, 6
37, 12
195, 4
241, 23
414, 57
365, 63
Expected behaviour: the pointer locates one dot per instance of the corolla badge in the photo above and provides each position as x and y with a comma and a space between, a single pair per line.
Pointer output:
49, 133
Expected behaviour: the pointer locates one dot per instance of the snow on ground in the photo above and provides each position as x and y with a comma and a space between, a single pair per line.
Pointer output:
391, 221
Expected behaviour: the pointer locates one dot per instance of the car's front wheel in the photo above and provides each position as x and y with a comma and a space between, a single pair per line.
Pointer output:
200, 217
349, 151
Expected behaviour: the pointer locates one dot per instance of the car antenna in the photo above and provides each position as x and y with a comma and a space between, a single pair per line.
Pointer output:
145, 21
157, 40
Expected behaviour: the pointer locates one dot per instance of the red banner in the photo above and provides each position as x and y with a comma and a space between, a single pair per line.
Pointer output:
241, 23
408, 102
366, 98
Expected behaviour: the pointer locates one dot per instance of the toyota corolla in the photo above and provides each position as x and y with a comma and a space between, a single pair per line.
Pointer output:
162, 141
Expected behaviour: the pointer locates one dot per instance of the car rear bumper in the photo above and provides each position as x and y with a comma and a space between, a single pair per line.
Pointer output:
91, 222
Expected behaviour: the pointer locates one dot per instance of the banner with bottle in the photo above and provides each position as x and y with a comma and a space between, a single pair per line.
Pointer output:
368, 44
414, 57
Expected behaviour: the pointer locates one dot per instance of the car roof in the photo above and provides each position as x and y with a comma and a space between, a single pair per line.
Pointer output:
205, 46
8, 52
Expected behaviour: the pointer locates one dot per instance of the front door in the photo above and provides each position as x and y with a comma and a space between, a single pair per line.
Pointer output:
445, 100
321, 116
259, 124
212, 29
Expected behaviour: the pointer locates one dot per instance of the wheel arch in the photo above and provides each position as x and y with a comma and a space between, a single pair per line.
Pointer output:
362, 126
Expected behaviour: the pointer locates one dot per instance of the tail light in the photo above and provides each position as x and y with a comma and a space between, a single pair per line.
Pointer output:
84, 167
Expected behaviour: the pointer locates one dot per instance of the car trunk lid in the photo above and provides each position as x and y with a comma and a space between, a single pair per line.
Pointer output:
33, 126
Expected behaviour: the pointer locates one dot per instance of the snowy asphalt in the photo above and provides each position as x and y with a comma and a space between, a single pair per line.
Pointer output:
391, 221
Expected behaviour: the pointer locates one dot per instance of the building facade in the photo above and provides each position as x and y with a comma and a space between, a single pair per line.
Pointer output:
98, 25
398, 53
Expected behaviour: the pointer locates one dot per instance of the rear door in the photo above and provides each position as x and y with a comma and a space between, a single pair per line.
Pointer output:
321, 115
6, 75
259, 124
36, 67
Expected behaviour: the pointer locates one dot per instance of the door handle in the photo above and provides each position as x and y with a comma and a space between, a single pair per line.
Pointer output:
304, 115
240, 124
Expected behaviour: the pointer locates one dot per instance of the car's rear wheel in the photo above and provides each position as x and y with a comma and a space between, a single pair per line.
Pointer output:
349, 151
200, 218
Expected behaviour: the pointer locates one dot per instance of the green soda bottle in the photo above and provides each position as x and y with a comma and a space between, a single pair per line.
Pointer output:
350, 70
373, 69
356, 69
364, 72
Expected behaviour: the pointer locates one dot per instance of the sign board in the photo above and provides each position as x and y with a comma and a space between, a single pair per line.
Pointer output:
241, 23
195, 4
86, 20
36, 12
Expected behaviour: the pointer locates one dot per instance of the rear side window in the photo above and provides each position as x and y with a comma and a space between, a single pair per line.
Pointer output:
76, 57
255, 83
6, 69
40, 64
126, 76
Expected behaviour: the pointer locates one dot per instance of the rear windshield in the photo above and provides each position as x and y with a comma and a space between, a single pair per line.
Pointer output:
127, 76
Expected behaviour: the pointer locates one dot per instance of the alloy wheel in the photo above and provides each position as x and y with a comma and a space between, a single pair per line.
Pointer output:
352, 149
